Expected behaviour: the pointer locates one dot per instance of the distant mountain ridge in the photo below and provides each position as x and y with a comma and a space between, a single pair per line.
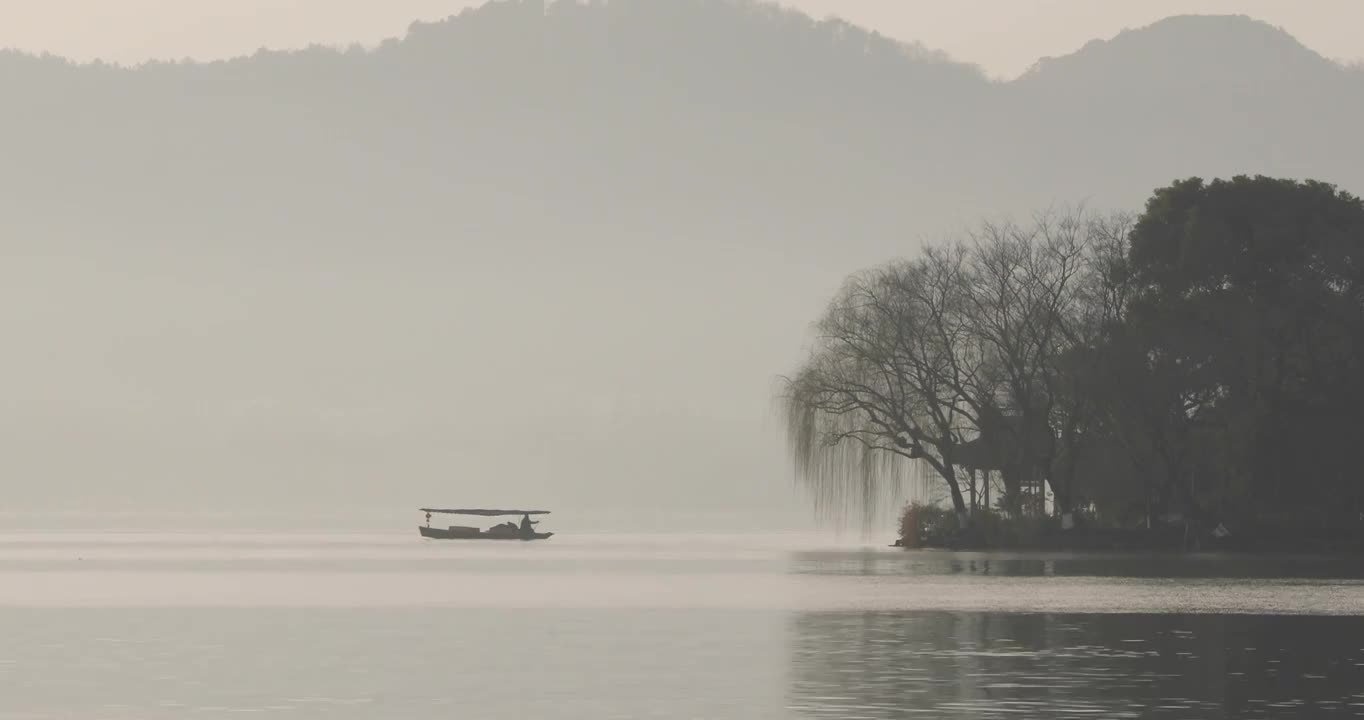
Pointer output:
545, 234
1173, 47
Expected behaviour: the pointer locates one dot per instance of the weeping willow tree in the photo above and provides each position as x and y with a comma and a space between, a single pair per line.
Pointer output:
894, 379
962, 358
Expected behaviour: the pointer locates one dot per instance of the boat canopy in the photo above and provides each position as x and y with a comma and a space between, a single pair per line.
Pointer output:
484, 513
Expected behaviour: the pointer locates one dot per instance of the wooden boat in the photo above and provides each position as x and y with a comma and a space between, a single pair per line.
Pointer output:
501, 531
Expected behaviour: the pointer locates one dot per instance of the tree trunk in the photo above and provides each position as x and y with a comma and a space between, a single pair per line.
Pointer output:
943, 464
1061, 499
958, 500
1065, 493
974, 504
1013, 489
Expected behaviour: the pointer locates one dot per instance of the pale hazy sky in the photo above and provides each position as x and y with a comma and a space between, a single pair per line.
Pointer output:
1003, 36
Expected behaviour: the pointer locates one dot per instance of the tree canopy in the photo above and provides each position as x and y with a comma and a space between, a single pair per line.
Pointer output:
1201, 359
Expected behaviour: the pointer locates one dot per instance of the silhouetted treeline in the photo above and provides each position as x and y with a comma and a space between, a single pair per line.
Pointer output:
1200, 362
1244, 348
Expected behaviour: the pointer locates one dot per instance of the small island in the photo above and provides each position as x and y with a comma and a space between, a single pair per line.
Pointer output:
1186, 378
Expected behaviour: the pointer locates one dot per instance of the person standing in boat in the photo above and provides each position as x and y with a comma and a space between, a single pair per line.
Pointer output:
527, 526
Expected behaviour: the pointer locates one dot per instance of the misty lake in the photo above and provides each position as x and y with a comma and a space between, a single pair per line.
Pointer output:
148, 625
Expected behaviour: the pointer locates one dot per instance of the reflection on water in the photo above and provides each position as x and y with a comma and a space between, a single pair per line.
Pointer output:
986, 665
1104, 565
146, 626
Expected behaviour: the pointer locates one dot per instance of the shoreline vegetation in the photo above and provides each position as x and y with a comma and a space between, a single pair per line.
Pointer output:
933, 527
1186, 378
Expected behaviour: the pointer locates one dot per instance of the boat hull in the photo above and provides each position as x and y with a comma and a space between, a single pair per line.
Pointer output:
444, 534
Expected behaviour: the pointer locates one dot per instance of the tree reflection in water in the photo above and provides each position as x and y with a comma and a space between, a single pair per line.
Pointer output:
929, 664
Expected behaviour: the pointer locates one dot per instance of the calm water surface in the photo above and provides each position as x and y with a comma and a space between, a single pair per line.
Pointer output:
148, 625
